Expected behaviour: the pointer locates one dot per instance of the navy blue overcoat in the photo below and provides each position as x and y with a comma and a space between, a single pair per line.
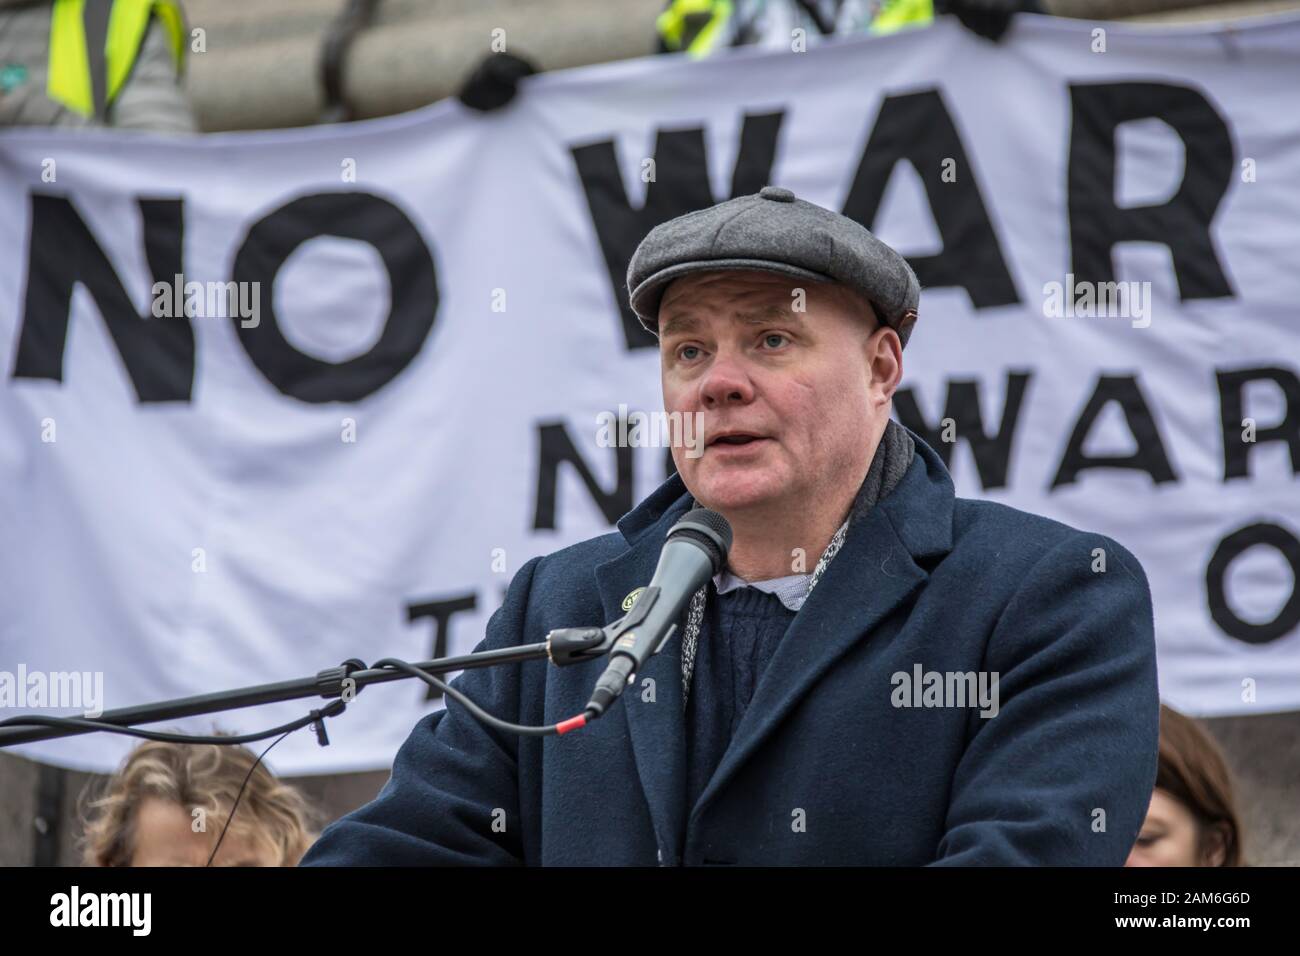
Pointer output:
837, 760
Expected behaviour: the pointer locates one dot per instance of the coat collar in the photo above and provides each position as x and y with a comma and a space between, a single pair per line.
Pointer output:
882, 562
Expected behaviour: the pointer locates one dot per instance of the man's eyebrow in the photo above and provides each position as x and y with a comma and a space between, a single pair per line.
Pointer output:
681, 322
768, 313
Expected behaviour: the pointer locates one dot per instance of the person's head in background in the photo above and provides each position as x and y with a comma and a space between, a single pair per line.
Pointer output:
168, 803
1192, 820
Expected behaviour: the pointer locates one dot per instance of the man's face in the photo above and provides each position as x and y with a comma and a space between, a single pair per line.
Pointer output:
789, 398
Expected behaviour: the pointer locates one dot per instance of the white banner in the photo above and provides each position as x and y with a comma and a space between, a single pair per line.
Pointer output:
398, 405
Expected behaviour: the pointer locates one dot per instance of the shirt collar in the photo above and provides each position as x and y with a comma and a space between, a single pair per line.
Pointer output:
791, 590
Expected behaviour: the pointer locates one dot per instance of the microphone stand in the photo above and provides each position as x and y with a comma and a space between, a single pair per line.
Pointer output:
563, 647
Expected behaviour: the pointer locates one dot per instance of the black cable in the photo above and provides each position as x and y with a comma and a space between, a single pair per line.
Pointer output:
332, 709
521, 729
231, 816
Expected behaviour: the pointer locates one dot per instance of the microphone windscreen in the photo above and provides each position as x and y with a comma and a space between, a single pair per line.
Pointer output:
709, 529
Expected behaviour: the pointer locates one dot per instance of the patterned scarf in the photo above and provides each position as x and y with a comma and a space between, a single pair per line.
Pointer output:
890, 463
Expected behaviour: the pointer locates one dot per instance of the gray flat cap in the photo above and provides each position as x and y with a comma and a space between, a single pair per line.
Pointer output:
772, 231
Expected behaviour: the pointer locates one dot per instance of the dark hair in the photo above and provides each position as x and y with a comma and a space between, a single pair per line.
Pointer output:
1192, 770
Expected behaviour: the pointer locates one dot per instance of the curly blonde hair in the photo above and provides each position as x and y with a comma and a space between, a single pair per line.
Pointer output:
208, 776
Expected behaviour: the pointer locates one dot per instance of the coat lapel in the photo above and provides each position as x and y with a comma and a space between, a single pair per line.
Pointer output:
656, 727
875, 571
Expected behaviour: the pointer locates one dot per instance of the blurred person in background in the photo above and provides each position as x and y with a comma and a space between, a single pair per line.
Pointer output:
1193, 819
82, 63
704, 27
168, 805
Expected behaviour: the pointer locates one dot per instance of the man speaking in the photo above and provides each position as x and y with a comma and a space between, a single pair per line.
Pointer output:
881, 674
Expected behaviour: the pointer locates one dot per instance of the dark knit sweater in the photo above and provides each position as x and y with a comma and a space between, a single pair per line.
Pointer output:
748, 624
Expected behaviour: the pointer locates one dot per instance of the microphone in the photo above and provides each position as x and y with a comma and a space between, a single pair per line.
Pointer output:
696, 550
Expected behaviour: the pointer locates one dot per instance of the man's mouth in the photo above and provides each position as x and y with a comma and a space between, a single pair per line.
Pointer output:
735, 439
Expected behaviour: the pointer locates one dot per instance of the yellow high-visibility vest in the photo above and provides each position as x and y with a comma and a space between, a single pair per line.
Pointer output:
698, 26
897, 14
693, 25
94, 44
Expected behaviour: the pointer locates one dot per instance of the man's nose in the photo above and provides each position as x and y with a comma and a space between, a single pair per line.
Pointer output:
726, 383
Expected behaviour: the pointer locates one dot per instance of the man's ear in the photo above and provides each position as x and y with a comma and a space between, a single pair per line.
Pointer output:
884, 354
